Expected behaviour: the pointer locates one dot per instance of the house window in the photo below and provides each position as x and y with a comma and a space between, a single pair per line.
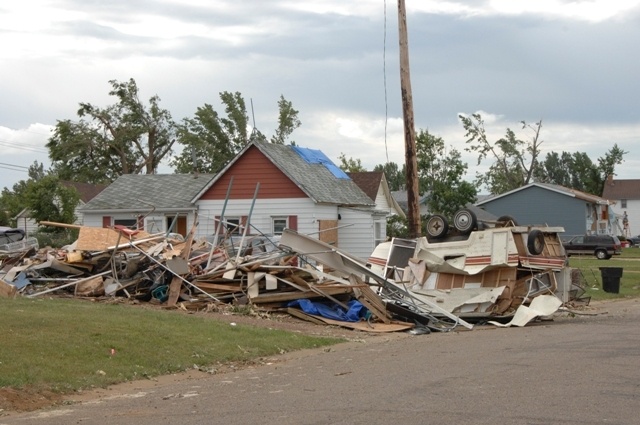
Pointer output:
379, 232
623, 203
278, 224
130, 223
232, 225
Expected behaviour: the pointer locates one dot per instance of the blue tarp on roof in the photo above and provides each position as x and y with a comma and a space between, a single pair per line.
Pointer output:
314, 156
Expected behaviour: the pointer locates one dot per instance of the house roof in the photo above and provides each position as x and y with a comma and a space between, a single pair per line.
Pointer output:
621, 189
310, 170
368, 181
552, 187
141, 192
87, 191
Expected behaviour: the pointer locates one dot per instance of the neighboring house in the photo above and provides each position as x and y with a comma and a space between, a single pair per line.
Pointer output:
541, 203
86, 192
624, 195
402, 198
153, 202
375, 185
293, 187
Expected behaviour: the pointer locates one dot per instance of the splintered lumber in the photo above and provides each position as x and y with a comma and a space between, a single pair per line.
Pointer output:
374, 303
394, 326
66, 285
64, 225
7, 290
90, 287
176, 282
304, 316
296, 295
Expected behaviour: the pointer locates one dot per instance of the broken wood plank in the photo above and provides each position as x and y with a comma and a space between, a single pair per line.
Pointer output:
304, 316
290, 296
7, 290
176, 282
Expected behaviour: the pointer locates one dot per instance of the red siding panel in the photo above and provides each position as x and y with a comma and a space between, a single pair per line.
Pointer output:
293, 222
249, 170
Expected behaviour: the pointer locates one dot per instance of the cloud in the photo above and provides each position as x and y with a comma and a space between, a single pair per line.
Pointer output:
571, 64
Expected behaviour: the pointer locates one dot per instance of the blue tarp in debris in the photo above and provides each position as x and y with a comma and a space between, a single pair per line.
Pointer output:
314, 156
355, 313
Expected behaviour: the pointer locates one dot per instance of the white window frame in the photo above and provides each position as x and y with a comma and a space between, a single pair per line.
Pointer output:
379, 232
229, 222
277, 218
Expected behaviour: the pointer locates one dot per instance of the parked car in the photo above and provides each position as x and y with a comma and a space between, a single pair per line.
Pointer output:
602, 246
634, 240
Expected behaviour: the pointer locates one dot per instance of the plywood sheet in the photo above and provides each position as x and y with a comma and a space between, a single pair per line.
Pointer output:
98, 239
328, 231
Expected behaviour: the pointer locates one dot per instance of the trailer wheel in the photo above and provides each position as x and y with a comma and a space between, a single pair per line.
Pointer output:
535, 242
506, 221
465, 221
437, 226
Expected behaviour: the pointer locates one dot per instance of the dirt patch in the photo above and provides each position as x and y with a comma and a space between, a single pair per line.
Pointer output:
27, 399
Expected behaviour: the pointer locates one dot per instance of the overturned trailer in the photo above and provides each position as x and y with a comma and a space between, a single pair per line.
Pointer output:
481, 274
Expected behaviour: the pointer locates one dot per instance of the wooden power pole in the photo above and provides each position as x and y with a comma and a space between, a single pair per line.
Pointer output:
411, 161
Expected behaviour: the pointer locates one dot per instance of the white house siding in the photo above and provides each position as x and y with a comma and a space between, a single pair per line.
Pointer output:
27, 224
382, 203
356, 234
306, 211
633, 214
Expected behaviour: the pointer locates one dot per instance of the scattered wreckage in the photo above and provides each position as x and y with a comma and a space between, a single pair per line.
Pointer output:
505, 274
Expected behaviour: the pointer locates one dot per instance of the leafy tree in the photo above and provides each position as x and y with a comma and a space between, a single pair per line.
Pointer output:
210, 140
125, 138
396, 178
577, 171
515, 160
350, 165
397, 227
49, 200
441, 175
43, 195
13, 201
606, 168
287, 122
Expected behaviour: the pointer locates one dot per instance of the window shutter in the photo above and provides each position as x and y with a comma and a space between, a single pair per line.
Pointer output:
106, 221
293, 222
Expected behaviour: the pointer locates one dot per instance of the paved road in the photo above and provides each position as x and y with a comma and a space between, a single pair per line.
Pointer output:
575, 370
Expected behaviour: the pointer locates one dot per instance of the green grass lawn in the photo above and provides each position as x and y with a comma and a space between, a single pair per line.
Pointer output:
66, 345
629, 261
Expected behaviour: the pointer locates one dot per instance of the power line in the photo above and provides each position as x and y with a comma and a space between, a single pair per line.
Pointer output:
22, 146
14, 167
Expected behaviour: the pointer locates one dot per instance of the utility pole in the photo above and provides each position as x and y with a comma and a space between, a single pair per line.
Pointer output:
411, 161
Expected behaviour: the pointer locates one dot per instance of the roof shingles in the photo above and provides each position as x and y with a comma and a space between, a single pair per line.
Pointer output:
315, 180
144, 191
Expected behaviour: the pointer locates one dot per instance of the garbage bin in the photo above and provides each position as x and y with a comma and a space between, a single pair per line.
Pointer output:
611, 279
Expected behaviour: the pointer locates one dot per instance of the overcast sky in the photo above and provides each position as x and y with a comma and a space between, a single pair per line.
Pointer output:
575, 65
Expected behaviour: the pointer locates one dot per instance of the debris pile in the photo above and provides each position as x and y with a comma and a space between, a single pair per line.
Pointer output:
294, 273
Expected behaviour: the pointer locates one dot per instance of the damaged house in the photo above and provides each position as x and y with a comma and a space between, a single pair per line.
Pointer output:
265, 189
